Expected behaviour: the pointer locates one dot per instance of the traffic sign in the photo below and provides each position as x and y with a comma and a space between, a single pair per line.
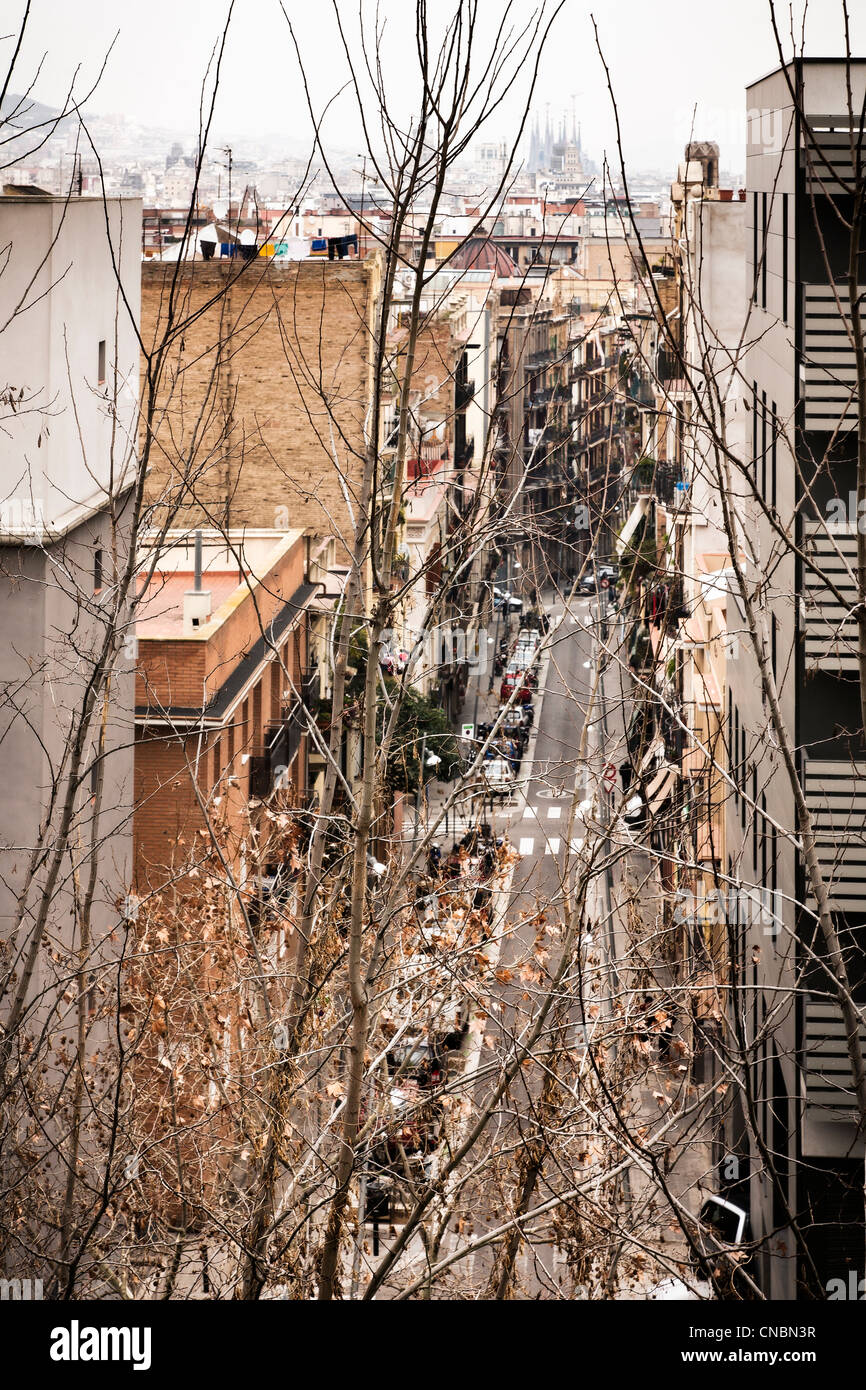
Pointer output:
608, 776
468, 730
605, 582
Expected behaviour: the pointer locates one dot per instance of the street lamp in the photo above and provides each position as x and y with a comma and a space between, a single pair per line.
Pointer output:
426, 760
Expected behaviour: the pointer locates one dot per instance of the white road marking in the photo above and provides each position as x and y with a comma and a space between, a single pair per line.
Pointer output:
552, 846
554, 812
527, 844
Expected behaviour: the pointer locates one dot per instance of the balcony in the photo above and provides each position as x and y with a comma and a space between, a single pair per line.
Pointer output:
464, 392
671, 489
830, 388
830, 629
426, 460
311, 687
639, 388
835, 791
588, 439
540, 357
830, 1110
270, 765
465, 454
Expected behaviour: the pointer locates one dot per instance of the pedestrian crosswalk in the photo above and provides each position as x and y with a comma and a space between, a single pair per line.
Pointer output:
526, 844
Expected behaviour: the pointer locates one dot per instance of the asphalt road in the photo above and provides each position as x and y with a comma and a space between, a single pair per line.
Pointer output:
541, 828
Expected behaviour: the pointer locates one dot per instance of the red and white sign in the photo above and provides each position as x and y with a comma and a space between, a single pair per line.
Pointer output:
605, 582
608, 777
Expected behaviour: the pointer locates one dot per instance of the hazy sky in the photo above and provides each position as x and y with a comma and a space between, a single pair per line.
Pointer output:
664, 57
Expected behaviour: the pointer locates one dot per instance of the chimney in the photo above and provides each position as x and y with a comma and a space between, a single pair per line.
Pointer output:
196, 601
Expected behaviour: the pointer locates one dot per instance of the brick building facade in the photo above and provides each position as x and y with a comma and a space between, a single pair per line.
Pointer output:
261, 411
220, 676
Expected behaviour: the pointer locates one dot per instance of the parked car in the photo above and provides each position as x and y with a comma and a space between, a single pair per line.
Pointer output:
722, 1232
515, 679
503, 599
498, 777
417, 1059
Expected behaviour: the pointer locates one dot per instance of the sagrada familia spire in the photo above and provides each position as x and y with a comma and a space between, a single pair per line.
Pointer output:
556, 152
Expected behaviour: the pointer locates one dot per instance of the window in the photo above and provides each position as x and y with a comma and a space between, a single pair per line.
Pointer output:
784, 258
97, 570
217, 762
774, 879
100, 368
755, 424
754, 248
743, 773
764, 445
774, 428
764, 251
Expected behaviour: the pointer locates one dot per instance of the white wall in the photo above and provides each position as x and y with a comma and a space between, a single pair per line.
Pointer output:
69, 442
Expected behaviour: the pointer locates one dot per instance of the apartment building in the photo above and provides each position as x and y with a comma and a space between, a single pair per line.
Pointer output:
69, 373
69, 365
799, 473
261, 413
223, 690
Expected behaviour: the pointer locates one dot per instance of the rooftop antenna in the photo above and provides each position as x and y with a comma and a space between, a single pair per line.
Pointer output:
227, 150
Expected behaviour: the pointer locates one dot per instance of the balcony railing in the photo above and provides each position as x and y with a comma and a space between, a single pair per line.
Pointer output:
464, 392
830, 1111
311, 687
831, 641
835, 792
282, 741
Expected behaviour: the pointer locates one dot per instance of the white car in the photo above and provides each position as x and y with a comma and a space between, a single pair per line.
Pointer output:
498, 777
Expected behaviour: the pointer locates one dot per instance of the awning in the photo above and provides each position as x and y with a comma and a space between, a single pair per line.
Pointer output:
638, 512
660, 789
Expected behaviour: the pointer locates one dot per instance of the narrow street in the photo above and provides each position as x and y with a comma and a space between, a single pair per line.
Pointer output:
541, 827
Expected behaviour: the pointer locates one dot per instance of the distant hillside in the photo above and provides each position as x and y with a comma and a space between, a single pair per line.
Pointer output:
34, 122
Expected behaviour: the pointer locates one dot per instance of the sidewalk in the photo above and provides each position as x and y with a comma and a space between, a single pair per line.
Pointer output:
633, 909
480, 706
